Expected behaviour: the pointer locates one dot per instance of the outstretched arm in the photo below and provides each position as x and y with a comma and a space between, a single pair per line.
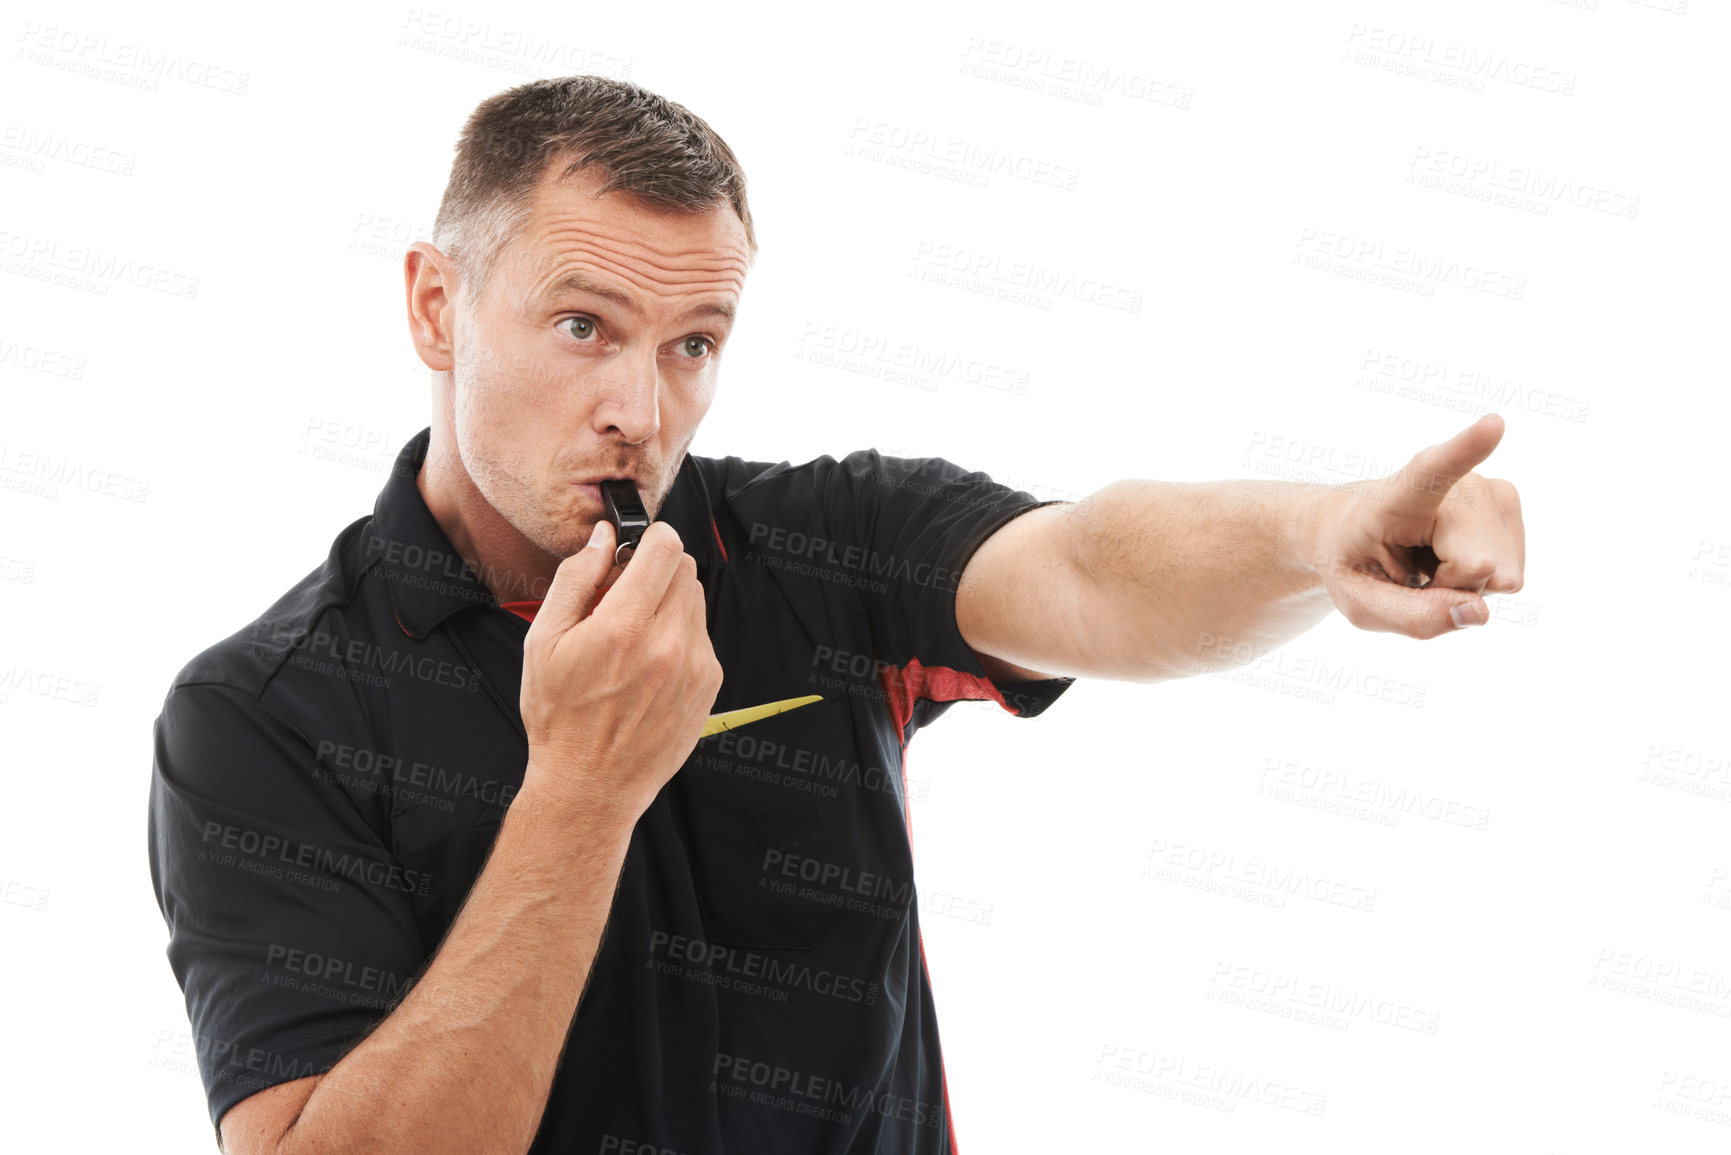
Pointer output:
1149, 580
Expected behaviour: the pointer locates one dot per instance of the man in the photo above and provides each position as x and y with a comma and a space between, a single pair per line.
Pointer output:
392, 819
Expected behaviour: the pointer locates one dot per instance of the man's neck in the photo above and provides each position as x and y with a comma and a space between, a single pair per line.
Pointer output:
508, 564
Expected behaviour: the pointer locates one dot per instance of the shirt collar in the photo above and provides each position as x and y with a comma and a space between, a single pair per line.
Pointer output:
429, 580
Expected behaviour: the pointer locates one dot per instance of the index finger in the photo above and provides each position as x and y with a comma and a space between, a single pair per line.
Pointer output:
638, 592
1426, 479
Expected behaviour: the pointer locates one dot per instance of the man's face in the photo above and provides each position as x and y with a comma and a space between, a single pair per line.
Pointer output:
592, 353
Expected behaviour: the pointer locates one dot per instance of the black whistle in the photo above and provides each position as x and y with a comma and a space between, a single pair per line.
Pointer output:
625, 510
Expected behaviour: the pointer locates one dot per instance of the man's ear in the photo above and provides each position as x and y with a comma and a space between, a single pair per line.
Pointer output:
429, 283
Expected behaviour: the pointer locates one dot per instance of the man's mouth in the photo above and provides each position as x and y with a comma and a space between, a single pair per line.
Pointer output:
592, 486
598, 478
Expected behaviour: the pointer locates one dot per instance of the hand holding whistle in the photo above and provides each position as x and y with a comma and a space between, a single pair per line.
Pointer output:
616, 694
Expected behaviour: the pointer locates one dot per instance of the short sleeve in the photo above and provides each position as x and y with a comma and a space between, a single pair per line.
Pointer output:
291, 927
898, 532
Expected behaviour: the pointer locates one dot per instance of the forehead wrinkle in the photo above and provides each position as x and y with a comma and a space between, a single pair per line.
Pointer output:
584, 228
584, 231
634, 277
643, 274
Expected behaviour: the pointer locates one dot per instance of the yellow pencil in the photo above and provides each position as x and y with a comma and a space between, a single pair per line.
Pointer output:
730, 719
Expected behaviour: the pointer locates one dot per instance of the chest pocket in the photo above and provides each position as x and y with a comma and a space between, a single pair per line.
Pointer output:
780, 827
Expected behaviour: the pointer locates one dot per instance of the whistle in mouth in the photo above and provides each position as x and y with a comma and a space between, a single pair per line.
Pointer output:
625, 510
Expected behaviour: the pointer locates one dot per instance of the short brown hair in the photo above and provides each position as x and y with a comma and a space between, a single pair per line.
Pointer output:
644, 144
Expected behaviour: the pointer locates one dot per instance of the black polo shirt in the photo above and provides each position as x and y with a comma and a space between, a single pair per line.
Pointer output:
328, 781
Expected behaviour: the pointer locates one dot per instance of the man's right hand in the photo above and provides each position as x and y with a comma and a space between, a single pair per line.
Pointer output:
613, 701
615, 696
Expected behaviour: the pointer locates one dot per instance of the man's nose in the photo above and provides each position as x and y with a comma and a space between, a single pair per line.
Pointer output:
628, 400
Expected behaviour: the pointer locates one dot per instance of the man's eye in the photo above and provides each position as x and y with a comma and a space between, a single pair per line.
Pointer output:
585, 327
696, 347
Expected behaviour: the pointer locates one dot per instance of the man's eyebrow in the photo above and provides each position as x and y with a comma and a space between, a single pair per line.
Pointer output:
580, 282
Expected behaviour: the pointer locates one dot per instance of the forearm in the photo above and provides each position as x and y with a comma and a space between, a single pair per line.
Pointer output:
466, 1061
1186, 577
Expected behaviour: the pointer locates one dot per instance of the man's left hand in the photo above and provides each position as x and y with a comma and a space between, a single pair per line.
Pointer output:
1414, 553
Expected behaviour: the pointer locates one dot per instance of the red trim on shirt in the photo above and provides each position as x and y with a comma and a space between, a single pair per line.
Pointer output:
526, 610
902, 684
943, 1075
717, 530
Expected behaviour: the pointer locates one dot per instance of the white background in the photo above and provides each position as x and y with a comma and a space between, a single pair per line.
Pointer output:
1572, 954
